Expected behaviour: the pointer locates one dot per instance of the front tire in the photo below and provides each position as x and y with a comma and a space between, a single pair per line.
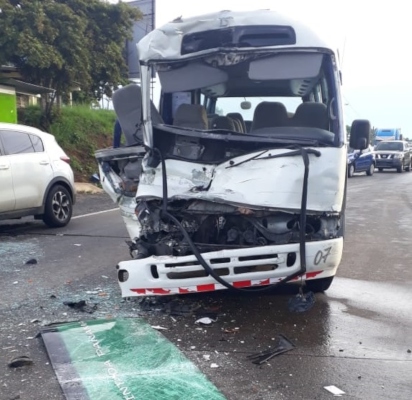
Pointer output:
58, 208
319, 285
401, 168
351, 170
371, 170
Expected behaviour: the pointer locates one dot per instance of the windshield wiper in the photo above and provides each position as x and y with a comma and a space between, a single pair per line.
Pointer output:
296, 152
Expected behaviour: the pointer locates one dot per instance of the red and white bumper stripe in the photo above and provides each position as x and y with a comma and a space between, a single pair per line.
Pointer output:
217, 286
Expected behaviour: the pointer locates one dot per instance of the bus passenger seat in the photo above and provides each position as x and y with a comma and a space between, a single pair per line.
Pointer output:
311, 115
224, 123
238, 117
191, 116
269, 114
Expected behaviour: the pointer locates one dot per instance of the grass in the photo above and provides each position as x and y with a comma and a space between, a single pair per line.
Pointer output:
80, 131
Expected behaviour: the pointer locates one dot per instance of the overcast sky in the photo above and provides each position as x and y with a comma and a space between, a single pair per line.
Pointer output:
373, 38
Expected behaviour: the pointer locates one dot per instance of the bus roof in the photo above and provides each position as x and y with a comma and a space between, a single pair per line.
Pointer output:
165, 43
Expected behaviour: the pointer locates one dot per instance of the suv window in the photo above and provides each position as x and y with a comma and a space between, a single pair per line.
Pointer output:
17, 142
37, 143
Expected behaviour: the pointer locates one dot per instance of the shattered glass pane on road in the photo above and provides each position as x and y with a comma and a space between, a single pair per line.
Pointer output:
15, 253
123, 359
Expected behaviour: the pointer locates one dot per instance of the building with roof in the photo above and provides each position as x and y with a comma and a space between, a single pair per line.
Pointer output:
15, 93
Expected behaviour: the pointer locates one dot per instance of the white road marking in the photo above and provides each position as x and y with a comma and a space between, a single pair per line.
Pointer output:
95, 213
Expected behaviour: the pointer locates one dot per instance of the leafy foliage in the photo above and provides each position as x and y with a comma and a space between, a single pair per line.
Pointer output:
67, 44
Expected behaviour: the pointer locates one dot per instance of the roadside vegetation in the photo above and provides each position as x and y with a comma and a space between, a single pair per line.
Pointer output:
79, 130
76, 48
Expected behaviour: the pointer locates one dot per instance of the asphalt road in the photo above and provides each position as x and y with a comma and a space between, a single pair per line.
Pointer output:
356, 336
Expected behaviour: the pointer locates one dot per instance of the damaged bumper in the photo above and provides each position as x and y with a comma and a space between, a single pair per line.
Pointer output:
248, 267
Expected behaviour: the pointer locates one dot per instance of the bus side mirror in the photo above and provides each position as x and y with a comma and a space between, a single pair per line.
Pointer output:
359, 134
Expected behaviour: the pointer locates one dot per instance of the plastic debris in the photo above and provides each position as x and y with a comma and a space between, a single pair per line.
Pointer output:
213, 365
95, 178
334, 390
301, 302
282, 345
159, 328
206, 357
32, 261
21, 361
205, 321
77, 244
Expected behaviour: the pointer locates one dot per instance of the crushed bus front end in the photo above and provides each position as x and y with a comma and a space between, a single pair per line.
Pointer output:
239, 179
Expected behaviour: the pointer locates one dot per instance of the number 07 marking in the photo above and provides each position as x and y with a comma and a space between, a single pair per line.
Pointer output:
322, 256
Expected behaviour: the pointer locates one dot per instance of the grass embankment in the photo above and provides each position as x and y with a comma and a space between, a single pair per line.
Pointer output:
80, 131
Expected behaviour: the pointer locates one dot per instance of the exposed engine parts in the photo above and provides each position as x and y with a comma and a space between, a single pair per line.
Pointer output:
213, 227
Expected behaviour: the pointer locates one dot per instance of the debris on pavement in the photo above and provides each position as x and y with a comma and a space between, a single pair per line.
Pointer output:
334, 390
213, 365
81, 305
301, 302
282, 345
32, 261
174, 308
409, 351
20, 361
159, 328
229, 330
205, 321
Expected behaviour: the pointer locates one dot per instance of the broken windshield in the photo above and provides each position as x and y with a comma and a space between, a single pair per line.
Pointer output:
281, 95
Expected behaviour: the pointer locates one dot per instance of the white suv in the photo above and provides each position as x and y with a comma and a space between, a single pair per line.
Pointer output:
35, 176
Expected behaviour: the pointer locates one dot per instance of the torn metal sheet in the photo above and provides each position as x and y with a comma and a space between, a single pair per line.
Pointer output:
249, 184
282, 345
122, 359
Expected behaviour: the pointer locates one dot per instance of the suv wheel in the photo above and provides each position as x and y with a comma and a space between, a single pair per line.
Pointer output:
58, 208
401, 168
408, 167
351, 170
371, 170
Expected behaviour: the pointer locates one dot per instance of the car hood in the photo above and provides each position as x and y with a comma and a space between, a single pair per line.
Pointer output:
388, 151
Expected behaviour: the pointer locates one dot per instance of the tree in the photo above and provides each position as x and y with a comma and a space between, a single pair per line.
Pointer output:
67, 44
